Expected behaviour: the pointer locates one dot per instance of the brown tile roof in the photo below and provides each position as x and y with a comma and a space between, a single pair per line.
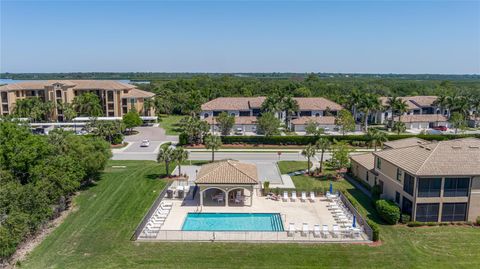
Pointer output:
459, 157
75, 84
238, 120
247, 103
330, 120
233, 103
136, 93
366, 160
423, 118
228, 172
407, 142
414, 102
316, 103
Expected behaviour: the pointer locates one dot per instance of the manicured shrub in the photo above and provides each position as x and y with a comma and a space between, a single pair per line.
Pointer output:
415, 224
388, 210
117, 139
375, 230
478, 221
183, 139
405, 218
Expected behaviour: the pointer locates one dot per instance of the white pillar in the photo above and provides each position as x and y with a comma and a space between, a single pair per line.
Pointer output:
201, 197
226, 197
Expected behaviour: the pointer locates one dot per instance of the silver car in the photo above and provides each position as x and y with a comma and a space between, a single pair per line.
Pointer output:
145, 143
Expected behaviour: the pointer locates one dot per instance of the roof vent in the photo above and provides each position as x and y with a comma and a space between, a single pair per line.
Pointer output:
474, 147
456, 147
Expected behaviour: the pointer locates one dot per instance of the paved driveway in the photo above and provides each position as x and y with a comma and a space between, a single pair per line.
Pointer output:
151, 133
135, 147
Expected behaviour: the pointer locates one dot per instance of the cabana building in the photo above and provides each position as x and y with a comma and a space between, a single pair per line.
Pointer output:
227, 183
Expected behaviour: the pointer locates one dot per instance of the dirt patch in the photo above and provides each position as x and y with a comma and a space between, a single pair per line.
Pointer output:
33, 241
119, 146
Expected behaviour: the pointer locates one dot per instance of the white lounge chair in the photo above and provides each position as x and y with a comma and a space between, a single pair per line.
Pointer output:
294, 196
305, 229
312, 197
291, 229
325, 230
316, 230
335, 231
166, 204
304, 197
285, 196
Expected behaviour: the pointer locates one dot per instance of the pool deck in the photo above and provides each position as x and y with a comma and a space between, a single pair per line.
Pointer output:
291, 212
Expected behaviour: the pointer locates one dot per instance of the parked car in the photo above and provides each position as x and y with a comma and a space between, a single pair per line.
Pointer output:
145, 143
440, 128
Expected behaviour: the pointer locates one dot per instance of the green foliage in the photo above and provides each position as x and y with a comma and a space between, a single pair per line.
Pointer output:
167, 156
213, 142
388, 210
375, 230
268, 124
399, 127
88, 104
405, 218
266, 187
38, 174
345, 120
108, 130
193, 129
376, 192
34, 108
478, 221
458, 121
308, 152
180, 155
311, 128
225, 123
132, 119
376, 138
340, 153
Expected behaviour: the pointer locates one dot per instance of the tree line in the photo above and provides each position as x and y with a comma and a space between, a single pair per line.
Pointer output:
39, 175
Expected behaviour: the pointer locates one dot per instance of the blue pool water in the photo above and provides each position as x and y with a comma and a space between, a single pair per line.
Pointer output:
233, 222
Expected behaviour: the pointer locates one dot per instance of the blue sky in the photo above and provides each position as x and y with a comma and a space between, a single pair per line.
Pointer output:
240, 36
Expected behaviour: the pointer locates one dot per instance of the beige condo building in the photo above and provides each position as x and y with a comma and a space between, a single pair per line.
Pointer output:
431, 181
116, 98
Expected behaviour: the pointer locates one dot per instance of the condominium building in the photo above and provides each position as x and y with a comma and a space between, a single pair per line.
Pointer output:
116, 98
431, 181
247, 109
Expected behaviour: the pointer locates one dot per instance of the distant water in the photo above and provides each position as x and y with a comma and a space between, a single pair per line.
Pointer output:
10, 81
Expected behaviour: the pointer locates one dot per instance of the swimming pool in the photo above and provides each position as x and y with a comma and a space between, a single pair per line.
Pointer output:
233, 222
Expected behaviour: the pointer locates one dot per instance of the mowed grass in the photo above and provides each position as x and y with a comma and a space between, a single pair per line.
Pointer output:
291, 166
170, 124
97, 235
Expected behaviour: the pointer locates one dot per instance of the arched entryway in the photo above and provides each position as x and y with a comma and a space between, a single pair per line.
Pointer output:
239, 197
213, 197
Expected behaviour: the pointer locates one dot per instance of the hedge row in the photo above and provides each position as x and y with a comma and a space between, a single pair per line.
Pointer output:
304, 140
388, 210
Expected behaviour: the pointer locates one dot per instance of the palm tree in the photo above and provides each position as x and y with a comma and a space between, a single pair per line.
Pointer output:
181, 155
167, 156
308, 152
441, 102
271, 104
290, 106
369, 103
354, 101
147, 106
376, 138
399, 127
88, 104
323, 144
213, 142
398, 106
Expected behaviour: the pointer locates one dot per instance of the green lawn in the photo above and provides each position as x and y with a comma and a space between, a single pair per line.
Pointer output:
170, 124
97, 235
291, 166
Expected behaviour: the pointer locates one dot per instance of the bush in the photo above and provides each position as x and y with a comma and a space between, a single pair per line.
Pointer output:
183, 139
405, 218
376, 192
388, 210
419, 224
117, 139
478, 221
375, 230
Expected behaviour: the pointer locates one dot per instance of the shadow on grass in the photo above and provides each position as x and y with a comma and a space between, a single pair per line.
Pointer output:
156, 176
367, 203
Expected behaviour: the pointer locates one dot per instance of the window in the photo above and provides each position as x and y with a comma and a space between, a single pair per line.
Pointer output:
406, 206
454, 211
132, 101
397, 197
205, 115
216, 113
255, 112
429, 187
317, 114
427, 212
399, 174
379, 163
232, 114
366, 177
305, 113
455, 187
408, 182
